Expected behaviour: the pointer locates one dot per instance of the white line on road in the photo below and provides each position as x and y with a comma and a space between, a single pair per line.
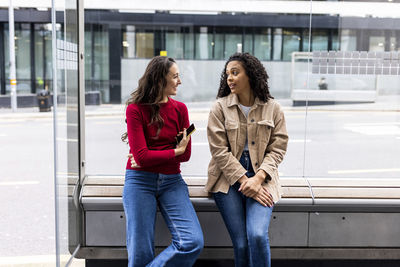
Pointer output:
38, 260
67, 139
109, 122
3, 135
299, 140
200, 144
364, 171
19, 183
379, 128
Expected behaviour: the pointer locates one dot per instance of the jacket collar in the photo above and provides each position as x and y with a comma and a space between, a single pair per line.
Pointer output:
233, 99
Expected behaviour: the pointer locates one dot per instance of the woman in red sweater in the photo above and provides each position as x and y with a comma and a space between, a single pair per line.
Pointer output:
153, 178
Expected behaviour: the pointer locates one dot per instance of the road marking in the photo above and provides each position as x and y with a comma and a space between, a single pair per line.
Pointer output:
398, 137
67, 139
200, 144
364, 171
379, 128
38, 260
299, 140
109, 122
19, 183
3, 135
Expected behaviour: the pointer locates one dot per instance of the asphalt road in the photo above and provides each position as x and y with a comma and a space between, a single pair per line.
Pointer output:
323, 143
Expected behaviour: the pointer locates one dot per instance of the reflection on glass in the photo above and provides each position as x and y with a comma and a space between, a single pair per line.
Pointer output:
262, 45
348, 40
203, 44
128, 42
22, 57
189, 45
277, 47
291, 43
174, 44
144, 45
233, 44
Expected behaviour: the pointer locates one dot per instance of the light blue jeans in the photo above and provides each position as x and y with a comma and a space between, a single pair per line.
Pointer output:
247, 222
142, 192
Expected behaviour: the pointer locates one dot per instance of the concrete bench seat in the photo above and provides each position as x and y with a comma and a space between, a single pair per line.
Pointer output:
317, 218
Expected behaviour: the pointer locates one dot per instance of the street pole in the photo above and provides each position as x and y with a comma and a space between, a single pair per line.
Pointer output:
13, 80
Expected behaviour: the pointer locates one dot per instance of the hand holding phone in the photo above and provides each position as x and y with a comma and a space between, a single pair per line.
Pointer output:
189, 131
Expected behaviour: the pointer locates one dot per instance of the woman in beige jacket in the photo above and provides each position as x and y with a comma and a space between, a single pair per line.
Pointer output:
248, 139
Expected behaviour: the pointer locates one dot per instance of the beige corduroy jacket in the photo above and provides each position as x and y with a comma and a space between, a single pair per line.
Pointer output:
227, 128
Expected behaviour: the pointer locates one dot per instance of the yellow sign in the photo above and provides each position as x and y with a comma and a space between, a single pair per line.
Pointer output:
163, 53
13, 82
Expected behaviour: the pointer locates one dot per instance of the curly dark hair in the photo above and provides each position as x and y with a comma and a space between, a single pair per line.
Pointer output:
258, 77
150, 89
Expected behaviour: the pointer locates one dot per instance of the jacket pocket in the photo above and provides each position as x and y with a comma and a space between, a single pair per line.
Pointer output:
232, 128
264, 129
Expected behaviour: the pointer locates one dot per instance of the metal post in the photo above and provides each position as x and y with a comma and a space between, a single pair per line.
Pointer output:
55, 133
13, 80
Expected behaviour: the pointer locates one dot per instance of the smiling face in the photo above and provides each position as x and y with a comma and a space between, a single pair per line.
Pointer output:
237, 79
173, 81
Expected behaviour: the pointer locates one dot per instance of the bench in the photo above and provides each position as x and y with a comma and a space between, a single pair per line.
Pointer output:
317, 218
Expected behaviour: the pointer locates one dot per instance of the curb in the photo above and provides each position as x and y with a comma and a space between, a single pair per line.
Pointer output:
39, 261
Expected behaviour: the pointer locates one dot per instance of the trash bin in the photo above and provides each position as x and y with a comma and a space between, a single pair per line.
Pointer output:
43, 97
322, 84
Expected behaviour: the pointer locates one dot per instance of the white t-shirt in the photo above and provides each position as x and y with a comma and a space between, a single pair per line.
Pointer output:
246, 111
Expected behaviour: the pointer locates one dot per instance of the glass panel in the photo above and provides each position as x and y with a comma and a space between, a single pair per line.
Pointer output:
189, 45
353, 133
174, 44
248, 43
22, 57
319, 40
144, 45
291, 43
218, 45
128, 41
69, 148
262, 44
233, 44
101, 63
277, 44
204, 44
348, 40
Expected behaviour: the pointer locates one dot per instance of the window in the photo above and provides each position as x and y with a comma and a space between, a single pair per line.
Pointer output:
262, 44
174, 44
204, 44
291, 43
348, 40
145, 44
128, 42
277, 44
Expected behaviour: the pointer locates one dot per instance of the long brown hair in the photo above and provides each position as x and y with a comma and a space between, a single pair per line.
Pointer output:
258, 77
150, 89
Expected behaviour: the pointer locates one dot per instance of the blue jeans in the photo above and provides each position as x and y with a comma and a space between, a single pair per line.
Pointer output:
142, 192
247, 222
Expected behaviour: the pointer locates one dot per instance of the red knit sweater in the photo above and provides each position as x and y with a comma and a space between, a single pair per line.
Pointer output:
152, 153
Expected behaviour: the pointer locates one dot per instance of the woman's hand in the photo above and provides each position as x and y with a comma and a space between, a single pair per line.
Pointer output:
264, 197
250, 186
181, 147
133, 162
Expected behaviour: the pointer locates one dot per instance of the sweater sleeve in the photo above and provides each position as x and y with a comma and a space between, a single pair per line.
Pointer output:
143, 156
185, 124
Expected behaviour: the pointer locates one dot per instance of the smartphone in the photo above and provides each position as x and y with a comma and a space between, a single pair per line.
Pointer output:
189, 131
